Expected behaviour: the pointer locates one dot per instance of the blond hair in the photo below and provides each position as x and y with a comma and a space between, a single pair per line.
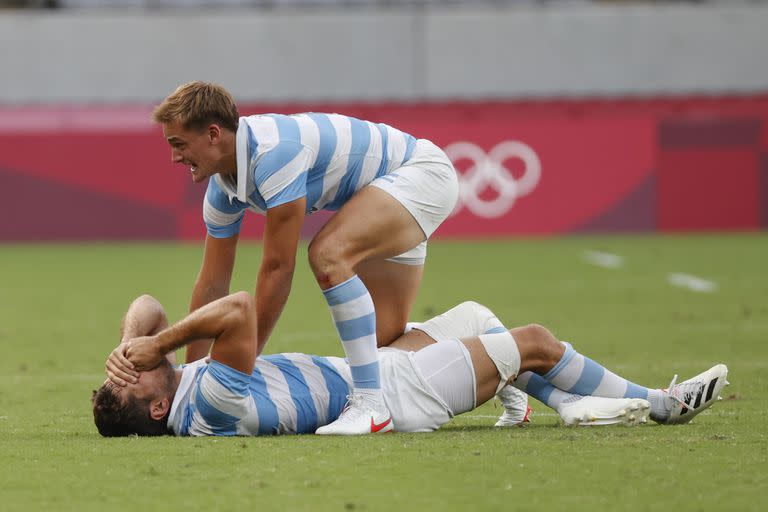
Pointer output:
196, 105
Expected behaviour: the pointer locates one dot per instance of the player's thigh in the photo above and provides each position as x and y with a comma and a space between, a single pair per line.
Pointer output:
486, 373
372, 224
413, 341
448, 368
393, 288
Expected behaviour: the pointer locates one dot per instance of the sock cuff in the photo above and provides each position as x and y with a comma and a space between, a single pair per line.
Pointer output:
349, 290
562, 363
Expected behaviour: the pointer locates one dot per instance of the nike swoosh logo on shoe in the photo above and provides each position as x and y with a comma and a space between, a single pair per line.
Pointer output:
375, 428
527, 417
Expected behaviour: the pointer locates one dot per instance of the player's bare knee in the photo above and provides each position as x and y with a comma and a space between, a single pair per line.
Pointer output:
325, 256
539, 333
544, 344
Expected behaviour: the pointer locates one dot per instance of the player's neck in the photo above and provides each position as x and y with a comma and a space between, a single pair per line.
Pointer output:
228, 161
177, 372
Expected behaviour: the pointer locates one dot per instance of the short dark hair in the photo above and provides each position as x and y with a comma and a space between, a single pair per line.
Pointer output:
116, 418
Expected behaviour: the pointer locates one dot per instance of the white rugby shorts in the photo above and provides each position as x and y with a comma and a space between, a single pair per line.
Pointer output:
427, 186
424, 390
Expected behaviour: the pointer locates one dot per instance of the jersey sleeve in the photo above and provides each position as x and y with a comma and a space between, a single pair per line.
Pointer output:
281, 173
222, 399
222, 218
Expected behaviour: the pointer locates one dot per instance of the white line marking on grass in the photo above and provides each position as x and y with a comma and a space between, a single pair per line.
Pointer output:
693, 283
488, 416
603, 259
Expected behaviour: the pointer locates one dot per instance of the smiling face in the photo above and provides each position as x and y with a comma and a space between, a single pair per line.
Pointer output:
199, 121
198, 150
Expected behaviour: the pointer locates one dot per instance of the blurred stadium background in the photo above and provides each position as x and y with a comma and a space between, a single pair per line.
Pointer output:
596, 118
564, 116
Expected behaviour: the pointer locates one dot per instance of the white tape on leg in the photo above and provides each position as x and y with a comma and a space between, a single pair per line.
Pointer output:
502, 349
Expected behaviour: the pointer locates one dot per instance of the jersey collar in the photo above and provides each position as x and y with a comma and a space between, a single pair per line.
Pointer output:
242, 160
188, 373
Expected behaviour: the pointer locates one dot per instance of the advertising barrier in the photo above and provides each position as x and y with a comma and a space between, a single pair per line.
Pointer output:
526, 168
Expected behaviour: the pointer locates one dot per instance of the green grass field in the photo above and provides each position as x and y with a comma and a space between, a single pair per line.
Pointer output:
60, 308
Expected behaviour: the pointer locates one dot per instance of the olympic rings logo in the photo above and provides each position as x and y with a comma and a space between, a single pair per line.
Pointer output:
488, 171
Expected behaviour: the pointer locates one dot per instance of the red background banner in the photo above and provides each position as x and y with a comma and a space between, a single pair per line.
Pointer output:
527, 168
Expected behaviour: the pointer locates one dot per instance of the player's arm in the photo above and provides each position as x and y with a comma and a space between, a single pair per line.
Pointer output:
229, 321
281, 239
212, 283
145, 316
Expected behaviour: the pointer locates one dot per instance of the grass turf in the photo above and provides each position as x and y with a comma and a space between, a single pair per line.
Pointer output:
60, 307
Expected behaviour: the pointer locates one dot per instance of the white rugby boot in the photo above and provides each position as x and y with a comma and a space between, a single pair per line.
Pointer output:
690, 397
360, 416
598, 411
516, 408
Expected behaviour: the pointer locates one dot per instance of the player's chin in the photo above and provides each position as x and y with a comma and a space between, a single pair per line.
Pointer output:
198, 175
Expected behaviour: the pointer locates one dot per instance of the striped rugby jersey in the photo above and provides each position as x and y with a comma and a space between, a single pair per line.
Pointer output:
285, 394
325, 157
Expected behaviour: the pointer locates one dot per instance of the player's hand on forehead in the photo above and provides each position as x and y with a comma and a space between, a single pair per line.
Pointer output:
120, 370
143, 353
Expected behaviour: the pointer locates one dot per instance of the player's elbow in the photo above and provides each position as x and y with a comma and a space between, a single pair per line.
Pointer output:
147, 300
148, 303
242, 303
240, 316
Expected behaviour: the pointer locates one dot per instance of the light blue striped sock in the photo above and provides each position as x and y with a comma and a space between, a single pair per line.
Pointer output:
540, 389
577, 374
353, 312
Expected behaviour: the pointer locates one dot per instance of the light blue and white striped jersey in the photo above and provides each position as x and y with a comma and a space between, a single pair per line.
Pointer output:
285, 394
325, 157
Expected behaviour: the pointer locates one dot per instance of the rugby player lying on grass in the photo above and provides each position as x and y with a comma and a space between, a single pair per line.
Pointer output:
429, 375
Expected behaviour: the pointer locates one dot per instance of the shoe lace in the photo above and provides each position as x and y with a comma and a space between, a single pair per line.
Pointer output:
683, 393
353, 400
353, 408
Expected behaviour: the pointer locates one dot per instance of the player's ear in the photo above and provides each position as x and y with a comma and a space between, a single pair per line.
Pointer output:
214, 133
159, 407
